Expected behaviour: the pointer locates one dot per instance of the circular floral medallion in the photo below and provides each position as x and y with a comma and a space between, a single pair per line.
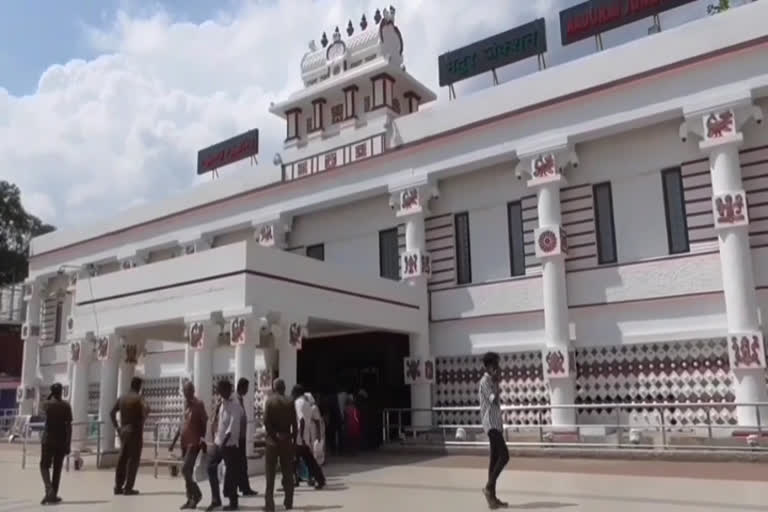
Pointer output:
547, 241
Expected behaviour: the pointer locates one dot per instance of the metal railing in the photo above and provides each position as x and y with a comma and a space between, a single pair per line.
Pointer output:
666, 434
86, 440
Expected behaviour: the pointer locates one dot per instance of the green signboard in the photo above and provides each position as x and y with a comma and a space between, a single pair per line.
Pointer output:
494, 52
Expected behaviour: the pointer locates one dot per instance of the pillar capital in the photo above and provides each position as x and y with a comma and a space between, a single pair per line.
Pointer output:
559, 362
80, 349
415, 263
108, 346
203, 330
546, 162
245, 326
293, 330
202, 243
746, 350
272, 232
413, 198
717, 125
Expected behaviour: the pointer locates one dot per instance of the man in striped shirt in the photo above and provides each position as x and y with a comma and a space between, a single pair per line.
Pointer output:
493, 424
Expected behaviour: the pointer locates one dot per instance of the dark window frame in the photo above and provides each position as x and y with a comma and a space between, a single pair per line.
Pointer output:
512, 260
665, 196
314, 247
382, 271
598, 237
468, 277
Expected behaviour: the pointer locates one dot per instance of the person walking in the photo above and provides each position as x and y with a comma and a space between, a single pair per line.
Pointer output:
57, 437
281, 430
352, 427
243, 482
493, 425
304, 440
192, 441
133, 412
225, 448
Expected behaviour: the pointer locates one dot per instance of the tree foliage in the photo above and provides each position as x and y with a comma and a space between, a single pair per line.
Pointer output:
17, 228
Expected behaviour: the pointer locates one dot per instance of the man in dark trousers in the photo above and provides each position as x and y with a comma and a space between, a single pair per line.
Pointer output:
243, 483
304, 439
226, 436
192, 440
493, 424
133, 412
281, 428
57, 437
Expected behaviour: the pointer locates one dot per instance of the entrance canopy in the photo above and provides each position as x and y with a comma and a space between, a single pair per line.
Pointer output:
243, 275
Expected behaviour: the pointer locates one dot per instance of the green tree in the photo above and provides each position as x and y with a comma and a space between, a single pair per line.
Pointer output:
17, 228
722, 5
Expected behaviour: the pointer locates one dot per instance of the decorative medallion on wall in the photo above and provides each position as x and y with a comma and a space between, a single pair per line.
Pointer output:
74, 351
131, 353
267, 235
558, 363
102, 348
544, 166
265, 380
330, 160
30, 393
730, 209
426, 264
301, 168
337, 113
189, 249
19, 394
237, 331
746, 350
296, 334
547, 241
409, 201
550, 241
196, 335
361, 150
719, 124
414, 264
412, 371
70, 324
563, 241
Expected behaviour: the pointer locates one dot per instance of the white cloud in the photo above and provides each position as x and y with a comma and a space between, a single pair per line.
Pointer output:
122, 129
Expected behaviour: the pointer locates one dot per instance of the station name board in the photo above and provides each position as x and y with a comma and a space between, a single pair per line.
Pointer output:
229, 151
596, 16
492, 53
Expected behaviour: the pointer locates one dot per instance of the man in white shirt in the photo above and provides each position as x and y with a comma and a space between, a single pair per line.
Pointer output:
304, 439
225, 445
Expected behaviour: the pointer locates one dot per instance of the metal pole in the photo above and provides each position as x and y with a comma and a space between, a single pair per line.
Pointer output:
541, 427
759, 423
618, 426
25, 432
709, 426
663, 431
98, 444
157, 445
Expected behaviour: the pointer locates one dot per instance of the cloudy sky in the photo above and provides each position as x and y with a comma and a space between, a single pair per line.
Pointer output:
104, 103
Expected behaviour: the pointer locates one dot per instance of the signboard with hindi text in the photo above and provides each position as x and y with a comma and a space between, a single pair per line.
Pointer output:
492, 53
229, 151
597, 16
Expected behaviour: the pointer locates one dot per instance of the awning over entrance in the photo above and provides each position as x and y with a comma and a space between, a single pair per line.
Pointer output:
240, 275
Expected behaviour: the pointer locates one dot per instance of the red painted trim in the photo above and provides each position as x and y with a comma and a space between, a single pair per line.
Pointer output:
486, 123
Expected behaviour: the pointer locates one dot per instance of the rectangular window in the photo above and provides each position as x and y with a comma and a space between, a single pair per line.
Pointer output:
57, 322
516, 241
463, 253
674, 207
389, 254
606, 233
316, 251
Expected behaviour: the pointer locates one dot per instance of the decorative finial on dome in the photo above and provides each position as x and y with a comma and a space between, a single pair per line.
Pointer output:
363, 23
377, 16
336, 35
392, 12
350, 29
324, 40
312, 46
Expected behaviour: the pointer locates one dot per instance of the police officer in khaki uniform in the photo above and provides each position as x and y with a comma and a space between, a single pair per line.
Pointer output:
56, 441
133, 412
281, 428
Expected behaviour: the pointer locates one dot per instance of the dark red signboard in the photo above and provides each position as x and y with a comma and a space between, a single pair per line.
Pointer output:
229, 151
596, 16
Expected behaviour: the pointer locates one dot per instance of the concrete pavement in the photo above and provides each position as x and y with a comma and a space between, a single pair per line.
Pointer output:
450, 484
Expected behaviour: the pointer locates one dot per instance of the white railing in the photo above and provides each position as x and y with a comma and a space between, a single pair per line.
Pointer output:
706, 435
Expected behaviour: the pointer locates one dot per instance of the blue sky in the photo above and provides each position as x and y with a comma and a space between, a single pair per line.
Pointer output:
118, 95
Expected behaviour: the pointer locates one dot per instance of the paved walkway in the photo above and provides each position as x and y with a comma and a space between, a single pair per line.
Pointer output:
445, 484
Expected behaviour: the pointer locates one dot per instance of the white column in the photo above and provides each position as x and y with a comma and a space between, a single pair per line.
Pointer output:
411, 206
108, 352
202, 337
732, 224
80, 350
293, 330
244, 334
551, 245
30, 333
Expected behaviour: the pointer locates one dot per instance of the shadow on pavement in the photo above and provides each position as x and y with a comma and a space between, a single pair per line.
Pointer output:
81, 502
541, 505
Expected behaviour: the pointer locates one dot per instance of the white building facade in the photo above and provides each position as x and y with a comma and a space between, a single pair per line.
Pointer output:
603, 224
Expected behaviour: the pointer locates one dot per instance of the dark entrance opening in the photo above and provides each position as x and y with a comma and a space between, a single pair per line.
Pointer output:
372, 362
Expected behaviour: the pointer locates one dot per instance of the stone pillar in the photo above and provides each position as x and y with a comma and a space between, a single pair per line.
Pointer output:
411, 206
551, 245
293, 330
244, 335
721, 139
108, 352
129, 359
80, 349
30, 334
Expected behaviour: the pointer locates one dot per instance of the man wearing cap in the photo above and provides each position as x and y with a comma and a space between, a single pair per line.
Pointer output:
56, 441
